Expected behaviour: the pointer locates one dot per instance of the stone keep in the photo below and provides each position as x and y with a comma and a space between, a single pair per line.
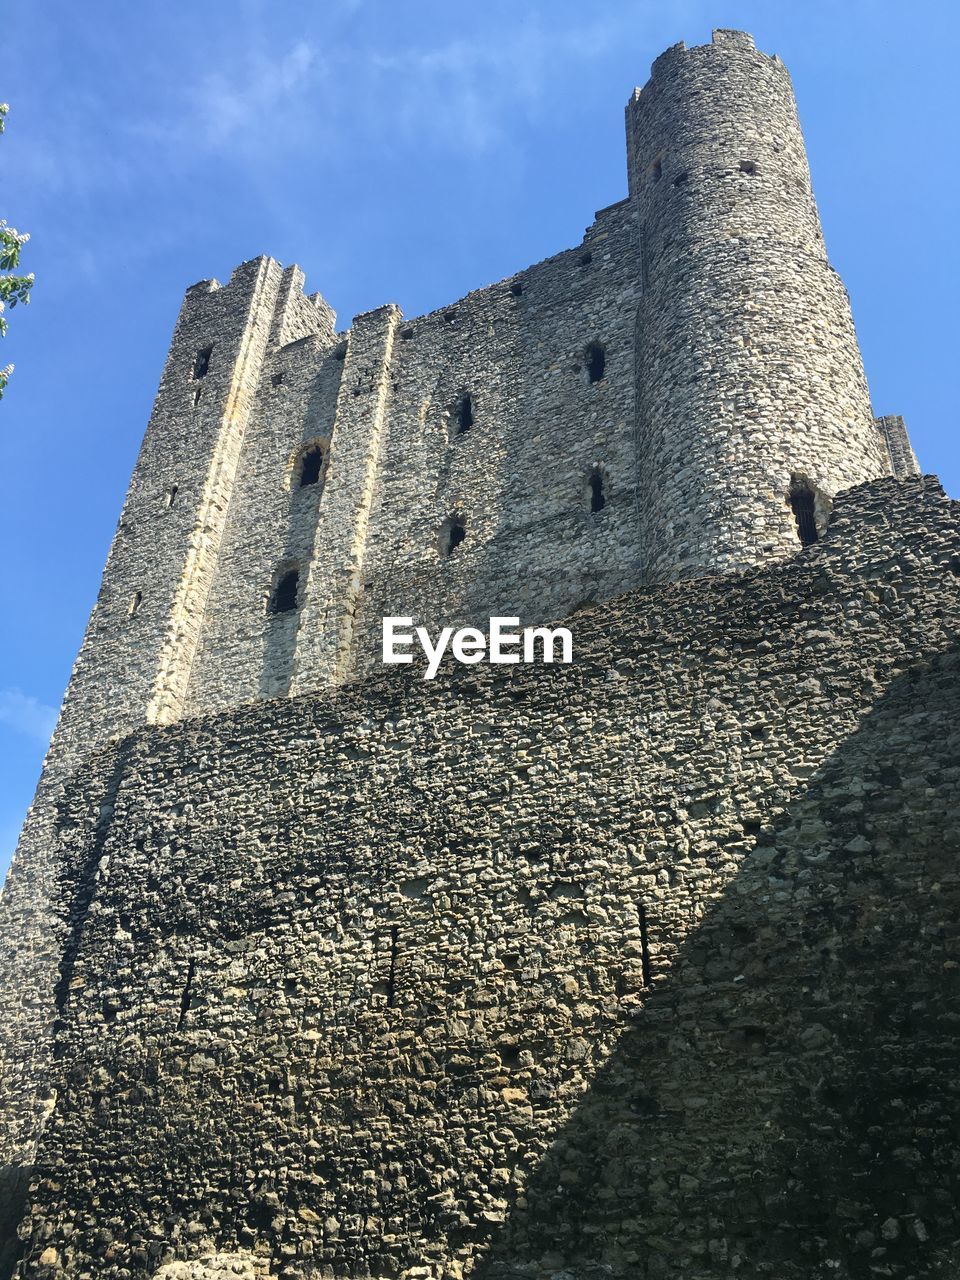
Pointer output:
641, 967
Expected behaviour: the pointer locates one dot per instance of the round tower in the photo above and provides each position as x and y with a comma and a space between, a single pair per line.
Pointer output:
752, 405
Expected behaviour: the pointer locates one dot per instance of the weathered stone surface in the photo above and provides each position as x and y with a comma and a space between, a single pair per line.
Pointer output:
359, 992
218, 1266
645, 966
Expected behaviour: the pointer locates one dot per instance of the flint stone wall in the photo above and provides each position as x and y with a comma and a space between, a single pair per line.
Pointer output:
731, 370
645, 966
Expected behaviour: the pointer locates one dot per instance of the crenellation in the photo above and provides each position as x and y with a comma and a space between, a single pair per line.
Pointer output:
202, 287
297, 316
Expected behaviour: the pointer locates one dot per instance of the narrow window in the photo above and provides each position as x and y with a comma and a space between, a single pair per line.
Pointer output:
311, 467
276, 380
463, 414
596, 360
392, 975
135, 600
187, 992
202, 362
451, 535
598, 498
171, 495
197, 393
802, 504
748, 167
284, 598
516, 288
656, 170
645, 969
586, 259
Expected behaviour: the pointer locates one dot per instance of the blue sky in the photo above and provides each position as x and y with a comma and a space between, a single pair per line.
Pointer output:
397, 152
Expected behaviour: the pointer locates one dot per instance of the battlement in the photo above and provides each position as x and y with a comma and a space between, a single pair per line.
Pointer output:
722, 40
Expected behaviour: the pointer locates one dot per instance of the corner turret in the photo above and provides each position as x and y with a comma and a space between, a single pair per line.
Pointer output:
751, 387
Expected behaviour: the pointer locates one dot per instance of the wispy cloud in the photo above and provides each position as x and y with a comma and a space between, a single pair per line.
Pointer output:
226, 106
462, 92
27, 715
68, 149
255, 103
469, 91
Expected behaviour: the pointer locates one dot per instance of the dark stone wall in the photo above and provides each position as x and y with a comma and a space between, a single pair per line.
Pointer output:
645, 966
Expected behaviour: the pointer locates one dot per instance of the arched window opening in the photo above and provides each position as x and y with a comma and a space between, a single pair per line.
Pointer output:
284, 598
312, 466
202, 362
596, 361
598, 499
452, 534
803, 506
463, 414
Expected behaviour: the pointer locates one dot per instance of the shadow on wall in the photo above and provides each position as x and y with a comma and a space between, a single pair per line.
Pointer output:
14, 1183
77, 897
786, 1103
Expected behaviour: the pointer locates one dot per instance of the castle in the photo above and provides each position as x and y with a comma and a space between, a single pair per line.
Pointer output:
641, 967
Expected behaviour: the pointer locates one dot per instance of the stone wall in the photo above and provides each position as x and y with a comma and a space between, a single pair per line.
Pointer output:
730, 371
519, 477
368, 539
645, 966
139, 644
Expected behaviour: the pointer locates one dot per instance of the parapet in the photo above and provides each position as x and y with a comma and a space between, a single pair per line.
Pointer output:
722, 37
298, 316
202, 287
731, 37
